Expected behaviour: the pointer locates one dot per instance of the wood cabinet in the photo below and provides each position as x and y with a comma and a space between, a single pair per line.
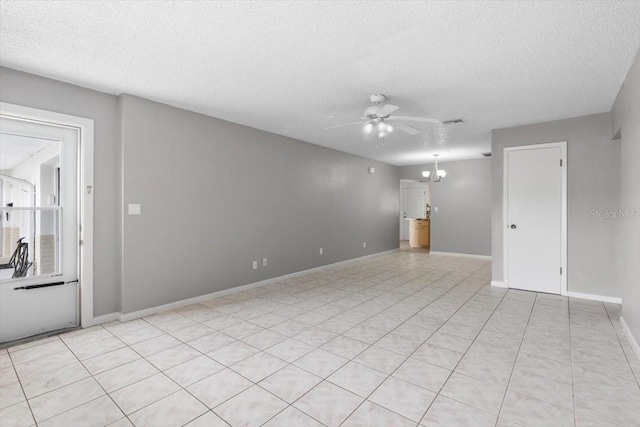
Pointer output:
420, 233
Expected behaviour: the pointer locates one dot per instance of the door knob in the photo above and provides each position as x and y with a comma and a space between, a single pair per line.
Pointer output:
513, 226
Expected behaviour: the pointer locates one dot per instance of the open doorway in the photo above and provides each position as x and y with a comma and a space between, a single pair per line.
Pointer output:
414, 202
42, 209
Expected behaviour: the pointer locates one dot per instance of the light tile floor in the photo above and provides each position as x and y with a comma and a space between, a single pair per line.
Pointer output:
404, 339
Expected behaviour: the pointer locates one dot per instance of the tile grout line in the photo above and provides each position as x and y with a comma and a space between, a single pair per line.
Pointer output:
524, 333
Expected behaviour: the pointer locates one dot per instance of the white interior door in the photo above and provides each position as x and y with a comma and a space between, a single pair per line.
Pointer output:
535, 207
415, 206
43, 158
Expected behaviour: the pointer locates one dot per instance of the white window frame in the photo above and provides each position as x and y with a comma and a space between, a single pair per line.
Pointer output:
85, 129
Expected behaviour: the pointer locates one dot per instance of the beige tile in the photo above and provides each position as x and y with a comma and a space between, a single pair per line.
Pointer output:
290, 350
476, 393
529, 411
49, 363
252, 407
17, 415
364, 334
176, 409
210, 342
110, 360
259, 366
132, 336
403, 398
290, 382
142, 393
398, 344
60, 400
422, 374
191, 333
292, 417
98, 412
445, 412
369, 414
125, 375
51, 380
85, 350
173, 356
315, 336
155, 345
543, 388
451, 342
544, 366
194, 370
328, 403
345, 347
496, 373
242, 330
38, 352
380, 359
11, 394
8, 376
320, 363
438, 356
232, 353
219, 387
357, 378
208, 419
264, 339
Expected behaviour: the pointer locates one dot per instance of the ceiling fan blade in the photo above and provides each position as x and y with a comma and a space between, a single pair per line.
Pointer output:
386, 110
407, 129
415, 119
343, 124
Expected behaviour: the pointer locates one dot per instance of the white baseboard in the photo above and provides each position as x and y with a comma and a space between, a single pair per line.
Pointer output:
103, 319
125, 317
498, 284
487, 257
602, 298
630, 337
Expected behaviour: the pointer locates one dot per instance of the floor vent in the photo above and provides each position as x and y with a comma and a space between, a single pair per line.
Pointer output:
454, 122
486, 154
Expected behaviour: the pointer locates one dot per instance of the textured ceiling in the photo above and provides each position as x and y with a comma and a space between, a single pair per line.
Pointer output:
286, 66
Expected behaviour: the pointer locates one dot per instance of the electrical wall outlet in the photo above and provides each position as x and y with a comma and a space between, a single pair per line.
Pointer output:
255, 265
320, 251
364, 244
264, 262
134, 209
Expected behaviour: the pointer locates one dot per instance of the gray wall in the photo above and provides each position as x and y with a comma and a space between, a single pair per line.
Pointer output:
463, 221
38, 92
216, 195
626, 124
593, 176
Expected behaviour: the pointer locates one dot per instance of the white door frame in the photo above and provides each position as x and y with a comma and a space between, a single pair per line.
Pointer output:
505, 206
85, 191
410, 183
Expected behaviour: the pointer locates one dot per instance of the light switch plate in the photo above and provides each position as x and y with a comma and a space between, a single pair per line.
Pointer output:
134, 209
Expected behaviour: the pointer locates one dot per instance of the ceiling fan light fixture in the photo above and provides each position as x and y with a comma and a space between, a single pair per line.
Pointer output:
389, 128
425, 174
381, 126
368, 127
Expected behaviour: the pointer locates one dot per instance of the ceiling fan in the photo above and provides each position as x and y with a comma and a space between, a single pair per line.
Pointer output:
378, 119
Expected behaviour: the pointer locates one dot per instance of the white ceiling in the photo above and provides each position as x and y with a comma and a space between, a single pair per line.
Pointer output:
15, 149
285, 66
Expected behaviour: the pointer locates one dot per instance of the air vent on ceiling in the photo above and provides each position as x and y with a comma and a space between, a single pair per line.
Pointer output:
486, 154
454, 122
